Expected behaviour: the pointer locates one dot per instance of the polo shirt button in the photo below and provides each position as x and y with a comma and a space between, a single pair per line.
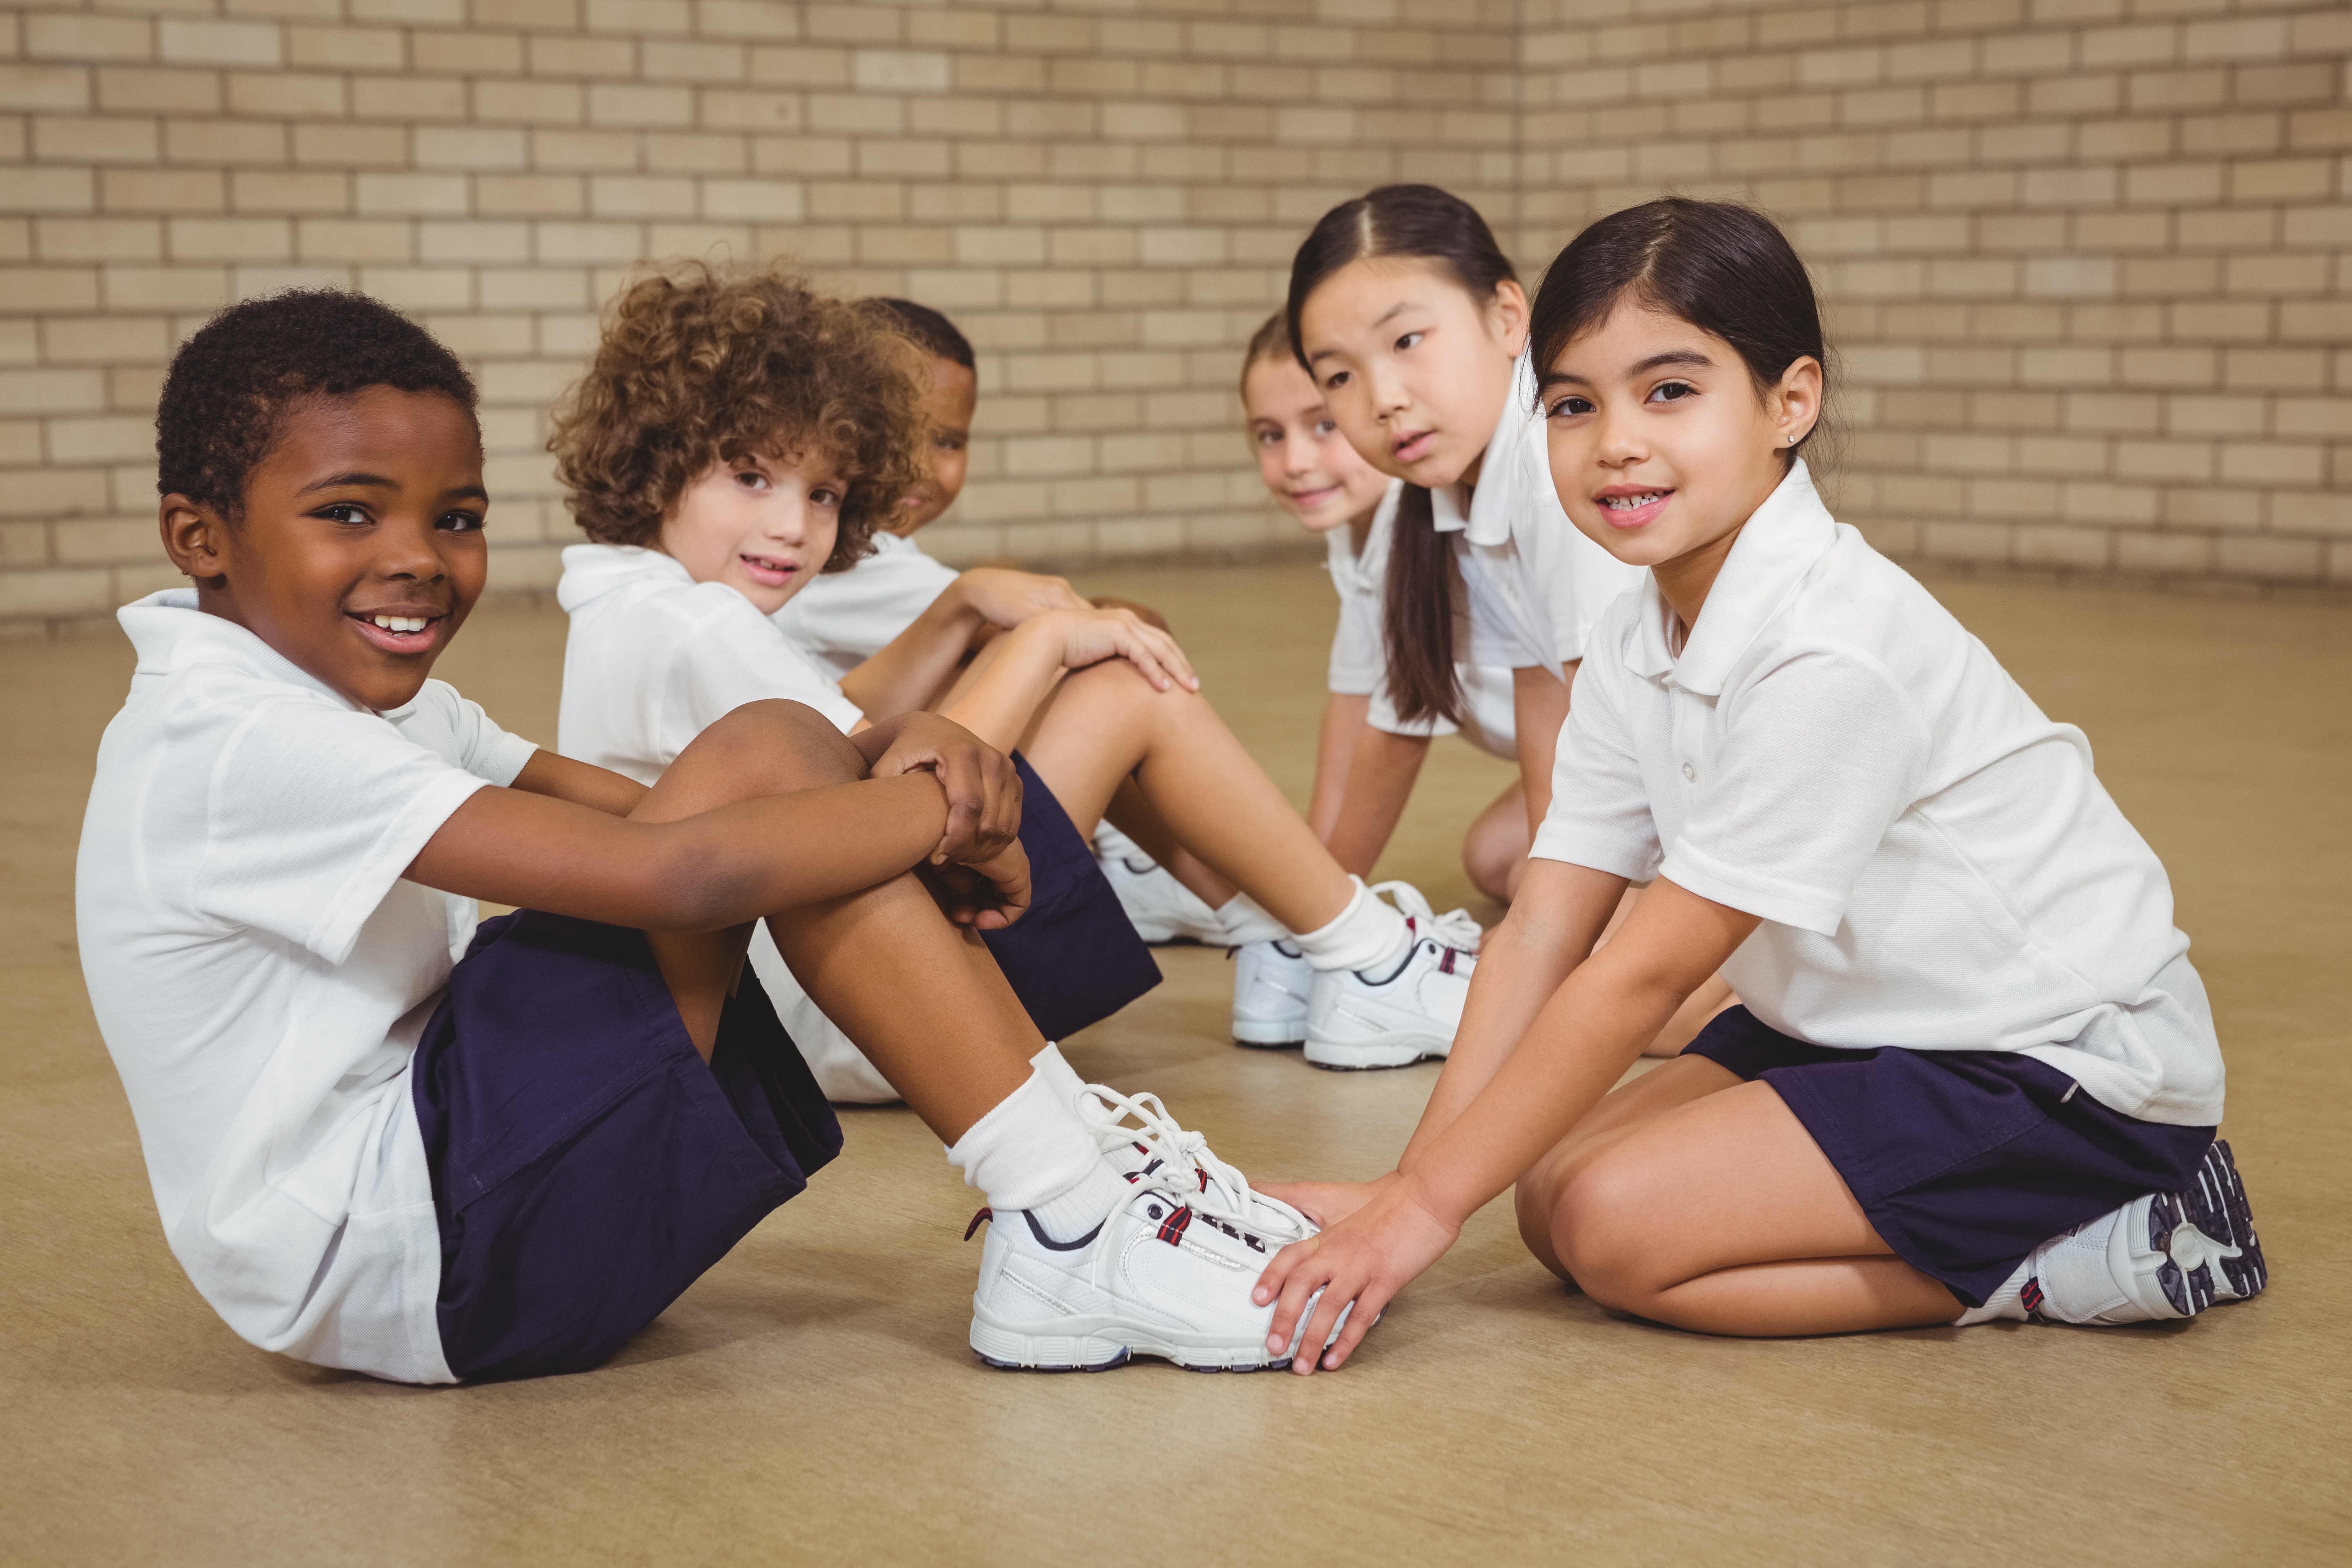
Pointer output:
1689, 772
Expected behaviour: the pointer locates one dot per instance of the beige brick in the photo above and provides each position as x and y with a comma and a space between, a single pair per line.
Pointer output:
409, 97
2158, 90
187, 41
351, 146
613, 104
98, 239
183, 287
638, 16
531, 195
51, 392
2285, 179
353, 239
2277, 369
763, 19
448, 243
575, 56
414, 11
53, 37
2166, 554
408, 194
82, 139
347, 47
159, 91
2172, 185
2276, 560
420, 287
102, 340
471, 53
233, 239
284, 191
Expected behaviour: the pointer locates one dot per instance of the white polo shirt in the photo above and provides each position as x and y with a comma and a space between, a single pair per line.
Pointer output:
654, 658
1935, 865
261, 974
1535, 586
844, 619
1359, 660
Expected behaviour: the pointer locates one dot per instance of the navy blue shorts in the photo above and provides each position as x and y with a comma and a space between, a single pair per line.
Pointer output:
1074, 958
587, 1167
1964, 1160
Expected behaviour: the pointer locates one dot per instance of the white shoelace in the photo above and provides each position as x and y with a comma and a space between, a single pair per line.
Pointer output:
1188, 1171
1454, 928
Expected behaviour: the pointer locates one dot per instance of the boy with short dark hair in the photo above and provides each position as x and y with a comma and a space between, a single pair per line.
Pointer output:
370, 1156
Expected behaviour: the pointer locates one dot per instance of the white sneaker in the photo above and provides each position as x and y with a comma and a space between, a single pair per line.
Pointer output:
2162, 1256
1163, 909
1273, 986
1167, 1274
1406, 1010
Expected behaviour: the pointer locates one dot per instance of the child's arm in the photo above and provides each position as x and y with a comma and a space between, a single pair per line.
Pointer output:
1515, 1097
918, 660
741, 861
1000, 697
1380, 780
1538, 708
560, 777
1345, 717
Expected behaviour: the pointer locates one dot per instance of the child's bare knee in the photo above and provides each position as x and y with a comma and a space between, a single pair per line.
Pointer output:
788, 742
1595, 1230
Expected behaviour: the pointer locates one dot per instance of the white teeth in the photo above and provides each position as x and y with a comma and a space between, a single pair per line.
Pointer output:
400, 623
1628, 503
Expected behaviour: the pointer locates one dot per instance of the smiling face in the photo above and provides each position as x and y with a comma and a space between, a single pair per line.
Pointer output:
361, 550
950, 397
761, 525
1662, 446
1312, 471
1414, 370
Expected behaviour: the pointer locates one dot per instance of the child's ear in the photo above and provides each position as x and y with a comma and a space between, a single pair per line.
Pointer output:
194, 537
1797, 401
1509, 314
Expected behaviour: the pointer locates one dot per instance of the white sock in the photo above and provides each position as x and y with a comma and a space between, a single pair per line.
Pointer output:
1245, 923
1032, 1152
1368, 931
2002, 1303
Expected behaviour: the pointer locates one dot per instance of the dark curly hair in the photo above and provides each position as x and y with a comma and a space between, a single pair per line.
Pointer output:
230, 386
700, 365
932, 330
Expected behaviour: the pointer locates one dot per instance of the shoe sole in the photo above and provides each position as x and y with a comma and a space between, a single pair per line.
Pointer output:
2217, 1206
1269, 1037
1363, 1056
1012, 1350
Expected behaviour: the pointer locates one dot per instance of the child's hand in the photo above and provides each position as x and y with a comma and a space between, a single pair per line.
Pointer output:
1090, 636
1326, 1203
1365, 1259
982, 789
986, 894
1006, 598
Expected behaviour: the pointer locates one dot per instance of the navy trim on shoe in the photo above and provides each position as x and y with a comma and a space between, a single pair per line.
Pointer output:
1046, 1241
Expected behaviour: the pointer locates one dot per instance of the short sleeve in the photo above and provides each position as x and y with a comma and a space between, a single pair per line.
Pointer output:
1359, 656
1819, 755
444, 722
1581, 585
312, 815
738, 655
1599, 815
852, 615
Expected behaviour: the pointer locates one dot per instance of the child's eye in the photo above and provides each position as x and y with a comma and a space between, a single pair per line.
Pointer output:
948, 443
1669, 391
343, 511
825, 494
751, 478
1269, 437
1408, 341
1572, 406
459, 522
1339, 378
1326, 428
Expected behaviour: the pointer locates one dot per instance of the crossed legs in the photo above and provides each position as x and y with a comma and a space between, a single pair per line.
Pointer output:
1697, 1200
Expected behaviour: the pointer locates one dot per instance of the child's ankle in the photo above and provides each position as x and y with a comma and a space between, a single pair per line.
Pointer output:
1368, 932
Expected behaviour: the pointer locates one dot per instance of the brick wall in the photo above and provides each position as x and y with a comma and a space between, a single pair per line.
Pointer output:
2088, 262
1104, 196
2084, 256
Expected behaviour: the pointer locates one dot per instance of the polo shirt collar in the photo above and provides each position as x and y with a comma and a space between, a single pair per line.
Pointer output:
170, 634
1774, 551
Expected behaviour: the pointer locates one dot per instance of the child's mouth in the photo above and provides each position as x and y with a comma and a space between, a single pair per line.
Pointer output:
1629, 508
767, 571
1412, 446
1307, 501
396, 633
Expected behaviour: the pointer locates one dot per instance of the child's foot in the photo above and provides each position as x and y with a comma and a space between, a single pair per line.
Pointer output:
1405, 1009
1162, 909
1167, 1274
1273, 985
2162, 1256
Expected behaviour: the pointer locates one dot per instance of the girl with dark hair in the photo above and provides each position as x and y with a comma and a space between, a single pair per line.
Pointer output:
1975, 1076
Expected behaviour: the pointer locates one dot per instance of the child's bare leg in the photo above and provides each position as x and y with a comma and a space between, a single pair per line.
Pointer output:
1498, 841
1722, 1215
920, 995
1104, 722
1132, 815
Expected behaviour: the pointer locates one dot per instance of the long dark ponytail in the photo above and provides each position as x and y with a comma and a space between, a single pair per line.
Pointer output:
1725, 268
1417, 602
